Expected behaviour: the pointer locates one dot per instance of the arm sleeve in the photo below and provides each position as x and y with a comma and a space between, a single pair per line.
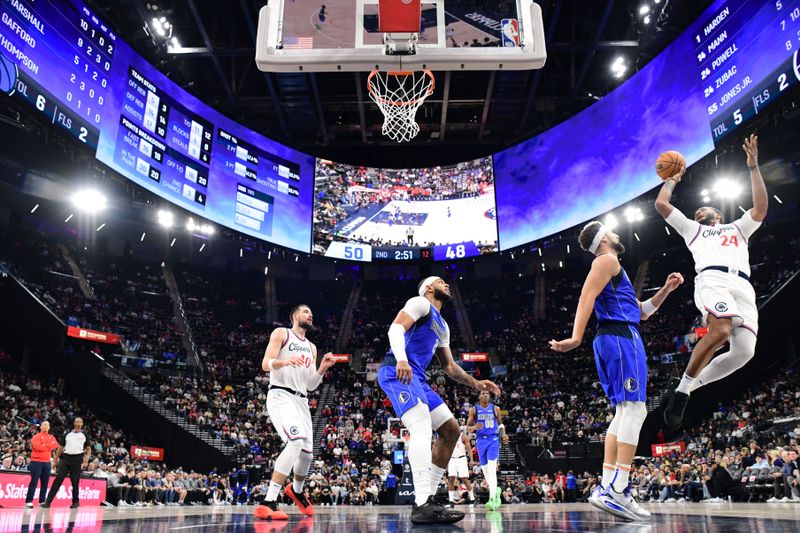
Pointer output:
686, 228
417, 307
747, 226
445, 342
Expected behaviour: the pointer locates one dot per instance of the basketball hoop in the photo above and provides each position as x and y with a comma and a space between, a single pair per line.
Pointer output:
399, 94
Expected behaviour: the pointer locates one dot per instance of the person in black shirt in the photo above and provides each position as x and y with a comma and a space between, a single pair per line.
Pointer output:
72, 457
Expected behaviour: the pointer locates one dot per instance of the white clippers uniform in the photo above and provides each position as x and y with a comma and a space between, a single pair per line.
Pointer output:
289, 412
721, 294
457, 466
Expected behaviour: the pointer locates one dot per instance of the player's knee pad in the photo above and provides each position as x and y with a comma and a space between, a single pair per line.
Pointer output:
303, 463
288, 457
613, 427
418, 422
743, 348
633, 415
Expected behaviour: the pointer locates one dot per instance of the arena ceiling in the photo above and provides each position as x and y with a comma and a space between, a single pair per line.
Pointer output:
470, 114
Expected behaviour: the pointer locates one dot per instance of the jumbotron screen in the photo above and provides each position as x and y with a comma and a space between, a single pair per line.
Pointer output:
374, 214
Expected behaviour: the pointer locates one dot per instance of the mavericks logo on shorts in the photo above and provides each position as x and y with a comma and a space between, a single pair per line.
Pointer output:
721, 307
631, 385
403, 397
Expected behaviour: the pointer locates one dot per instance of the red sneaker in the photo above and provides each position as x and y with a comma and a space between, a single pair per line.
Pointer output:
301, 501
270, 511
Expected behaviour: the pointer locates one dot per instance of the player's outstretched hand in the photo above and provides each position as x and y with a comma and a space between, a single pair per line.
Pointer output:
677, 177
750, 147
565, 345
485, 384
403, 371
674, 281
327, 361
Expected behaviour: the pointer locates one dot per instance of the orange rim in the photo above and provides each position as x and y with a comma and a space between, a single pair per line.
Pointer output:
401, 103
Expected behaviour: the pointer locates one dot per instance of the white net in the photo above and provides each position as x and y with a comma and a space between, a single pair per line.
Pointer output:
399, 95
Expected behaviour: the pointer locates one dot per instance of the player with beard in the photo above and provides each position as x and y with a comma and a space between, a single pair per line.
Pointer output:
620, 358
722, 290
290, 359
417, 334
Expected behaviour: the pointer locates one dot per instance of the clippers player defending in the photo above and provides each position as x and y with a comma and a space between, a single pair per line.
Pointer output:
417, 334
620, 358
722, 290
290, 360
458, 470
488, 427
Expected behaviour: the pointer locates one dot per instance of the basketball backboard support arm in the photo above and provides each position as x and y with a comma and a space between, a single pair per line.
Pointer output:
272, 56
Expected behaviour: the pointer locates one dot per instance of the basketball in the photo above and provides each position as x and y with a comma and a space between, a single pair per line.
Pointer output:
670, 163
261, 512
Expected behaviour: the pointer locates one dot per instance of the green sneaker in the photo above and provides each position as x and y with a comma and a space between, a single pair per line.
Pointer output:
494, 502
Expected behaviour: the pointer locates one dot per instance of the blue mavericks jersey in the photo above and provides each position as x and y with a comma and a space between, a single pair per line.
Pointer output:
617, 302
422, 338
486, 416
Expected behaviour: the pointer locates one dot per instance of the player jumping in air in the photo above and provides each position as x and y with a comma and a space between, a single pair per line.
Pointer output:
722, 290
458, 470
620, 358
418, 332
488, 426
290, 359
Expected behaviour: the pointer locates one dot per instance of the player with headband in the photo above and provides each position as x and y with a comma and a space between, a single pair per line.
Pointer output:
417, 334
620, 357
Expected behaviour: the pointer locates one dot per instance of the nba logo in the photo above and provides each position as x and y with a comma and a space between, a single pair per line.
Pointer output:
510, 32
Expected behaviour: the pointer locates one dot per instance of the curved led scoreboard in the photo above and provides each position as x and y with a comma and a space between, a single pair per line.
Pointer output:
738, 57
68, 64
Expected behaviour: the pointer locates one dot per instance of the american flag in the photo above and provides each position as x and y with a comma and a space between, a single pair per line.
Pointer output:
298, 43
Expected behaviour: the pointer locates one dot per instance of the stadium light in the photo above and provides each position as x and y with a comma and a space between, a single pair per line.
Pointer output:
34, 208
173, 242
727, 189
610, 222
205, 229
643, 10
637, 236
166, 218
203, 247
89, 200
633, 214
69, 218
777, 199
142, 237
618, 67
101, 226
646, 19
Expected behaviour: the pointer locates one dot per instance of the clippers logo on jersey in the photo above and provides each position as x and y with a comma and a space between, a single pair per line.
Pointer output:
721, 307
294, 430
294, 347
631, 385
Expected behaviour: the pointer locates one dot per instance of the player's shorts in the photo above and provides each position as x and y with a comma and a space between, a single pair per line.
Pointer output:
726, 295
458, 467
488, 448
404, 397
621, 363
291, 417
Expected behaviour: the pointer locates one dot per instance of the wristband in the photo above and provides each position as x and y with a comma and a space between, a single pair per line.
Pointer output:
269, 365
648, 308
753, 167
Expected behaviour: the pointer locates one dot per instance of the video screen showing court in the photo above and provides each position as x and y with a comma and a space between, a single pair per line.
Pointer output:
423, 207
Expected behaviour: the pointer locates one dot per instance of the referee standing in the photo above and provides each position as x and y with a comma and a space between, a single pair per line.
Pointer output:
72, 456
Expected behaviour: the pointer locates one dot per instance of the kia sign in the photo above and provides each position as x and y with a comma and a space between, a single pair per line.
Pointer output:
474, 357
14, 488
667, 448
147, 453
91, 335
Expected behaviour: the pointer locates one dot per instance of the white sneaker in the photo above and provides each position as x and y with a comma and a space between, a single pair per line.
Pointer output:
773, 500
784, 499
596, 498
671, 500
616, 504
29, 505
627, 500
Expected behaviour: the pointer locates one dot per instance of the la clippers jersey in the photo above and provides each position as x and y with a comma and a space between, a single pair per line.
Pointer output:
617, 301
719, 245
294, 377
422, 338
486, 416
460, 450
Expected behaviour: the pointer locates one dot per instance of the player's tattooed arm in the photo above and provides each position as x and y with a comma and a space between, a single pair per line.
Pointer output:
445, 357
663, 205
